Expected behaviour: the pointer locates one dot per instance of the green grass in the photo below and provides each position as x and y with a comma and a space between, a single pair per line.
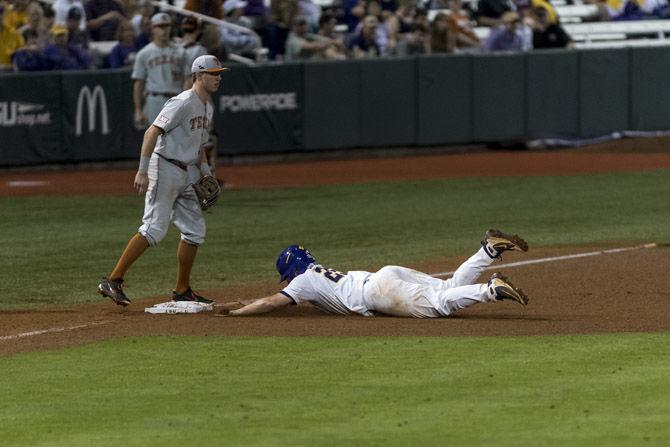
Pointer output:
56, 248
603, 390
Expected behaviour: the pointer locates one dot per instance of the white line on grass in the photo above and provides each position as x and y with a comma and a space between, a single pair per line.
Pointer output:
51, 331
558, 258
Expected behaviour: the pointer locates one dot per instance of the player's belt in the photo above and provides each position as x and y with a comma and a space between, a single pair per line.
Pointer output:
166, 94
177, 163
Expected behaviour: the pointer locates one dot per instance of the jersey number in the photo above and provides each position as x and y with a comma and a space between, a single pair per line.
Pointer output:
331, 274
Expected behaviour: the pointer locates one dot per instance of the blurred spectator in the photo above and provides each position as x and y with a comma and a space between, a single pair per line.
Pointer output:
190, 41
511, 35
49, 16
158, 72
387, 34
311, 11
257, 13
552, 15
31, 56
76, 36
441, 40
389, 5
16, 13
243, 42
124, 52
211, 40
637, 9
414, 42
363, 44
353, 13
103, 18
61, 55
302, 45
547, 34
657, 8
328, 27
460, 28
62, 7
36, 25
489, 12
144, 9
233, 12
210, 8
282, 13
421, 17
10, 41
144, 37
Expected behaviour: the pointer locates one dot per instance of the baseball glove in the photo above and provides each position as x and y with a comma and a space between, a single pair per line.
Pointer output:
207, 189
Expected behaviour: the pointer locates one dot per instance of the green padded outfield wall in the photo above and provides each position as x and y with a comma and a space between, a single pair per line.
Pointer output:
552, 94
604, 92
332, 92
650, 75
96, 115
276, 108
387, 102
259, 109
498, 94
444, 100
30, 119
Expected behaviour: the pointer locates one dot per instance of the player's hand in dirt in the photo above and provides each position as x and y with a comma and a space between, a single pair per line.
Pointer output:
141, 182
231, 305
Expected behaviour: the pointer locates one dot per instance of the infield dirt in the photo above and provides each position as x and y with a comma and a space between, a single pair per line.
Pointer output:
621, 292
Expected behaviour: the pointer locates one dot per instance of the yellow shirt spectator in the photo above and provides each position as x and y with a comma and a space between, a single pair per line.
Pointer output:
10, 41
16, 15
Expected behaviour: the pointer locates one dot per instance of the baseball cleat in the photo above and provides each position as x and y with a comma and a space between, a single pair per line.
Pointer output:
495, 242
190, 295
502, 289
113, 289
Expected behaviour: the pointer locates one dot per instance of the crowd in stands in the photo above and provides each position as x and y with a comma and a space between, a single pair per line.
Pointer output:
62, 34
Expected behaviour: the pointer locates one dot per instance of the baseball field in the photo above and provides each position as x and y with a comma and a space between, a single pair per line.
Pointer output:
586, 363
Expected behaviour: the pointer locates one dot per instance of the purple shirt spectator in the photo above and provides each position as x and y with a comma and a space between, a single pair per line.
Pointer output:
103, 18
121, 56
64, 56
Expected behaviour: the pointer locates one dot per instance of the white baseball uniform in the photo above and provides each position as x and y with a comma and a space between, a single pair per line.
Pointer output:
162, 69
173, 169
392, 290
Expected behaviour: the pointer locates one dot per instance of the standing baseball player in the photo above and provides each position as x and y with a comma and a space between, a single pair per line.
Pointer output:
171, 161
159, 72
393, 290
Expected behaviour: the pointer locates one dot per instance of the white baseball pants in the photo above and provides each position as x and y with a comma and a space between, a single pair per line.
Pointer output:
403, 292
171, 198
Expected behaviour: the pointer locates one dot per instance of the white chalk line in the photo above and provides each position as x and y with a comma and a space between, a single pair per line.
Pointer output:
52, 330
26, 183
437, 275
558, 258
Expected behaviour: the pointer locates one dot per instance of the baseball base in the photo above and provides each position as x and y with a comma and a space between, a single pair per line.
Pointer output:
179, 307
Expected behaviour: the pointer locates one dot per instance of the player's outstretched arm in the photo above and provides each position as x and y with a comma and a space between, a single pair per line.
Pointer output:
263, 305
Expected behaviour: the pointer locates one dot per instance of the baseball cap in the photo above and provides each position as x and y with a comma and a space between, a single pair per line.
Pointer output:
161, 18
207, 64
57, 29
74, 13
229, 5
